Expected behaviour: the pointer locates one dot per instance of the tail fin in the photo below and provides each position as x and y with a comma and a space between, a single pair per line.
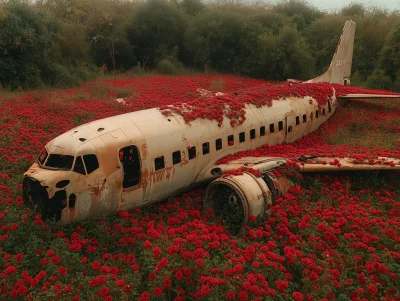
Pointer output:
339, 70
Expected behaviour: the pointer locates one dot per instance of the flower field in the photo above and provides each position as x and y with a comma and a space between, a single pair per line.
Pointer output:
332, 237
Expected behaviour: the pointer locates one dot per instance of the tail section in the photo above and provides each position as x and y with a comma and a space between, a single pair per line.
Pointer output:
339, 70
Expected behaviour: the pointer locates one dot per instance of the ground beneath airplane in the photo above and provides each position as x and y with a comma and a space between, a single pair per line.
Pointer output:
329, 236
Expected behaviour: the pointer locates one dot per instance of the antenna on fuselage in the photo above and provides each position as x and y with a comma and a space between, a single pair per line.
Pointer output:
339, 71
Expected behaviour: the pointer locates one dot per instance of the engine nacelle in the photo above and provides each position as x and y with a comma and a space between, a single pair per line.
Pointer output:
237, 197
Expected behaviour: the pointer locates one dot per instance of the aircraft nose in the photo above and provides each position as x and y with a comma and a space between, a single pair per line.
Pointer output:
36, 196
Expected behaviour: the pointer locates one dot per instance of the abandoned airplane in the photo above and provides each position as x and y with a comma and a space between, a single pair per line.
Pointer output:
135, 159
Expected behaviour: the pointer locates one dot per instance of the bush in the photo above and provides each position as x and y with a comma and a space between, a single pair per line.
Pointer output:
379, 80
167, 67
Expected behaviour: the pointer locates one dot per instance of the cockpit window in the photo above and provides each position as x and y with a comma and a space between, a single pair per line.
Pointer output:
42, 157
91, 163
78, 167
60, 161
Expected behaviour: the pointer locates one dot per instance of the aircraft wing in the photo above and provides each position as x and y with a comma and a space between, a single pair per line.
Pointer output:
368, 96
305, 164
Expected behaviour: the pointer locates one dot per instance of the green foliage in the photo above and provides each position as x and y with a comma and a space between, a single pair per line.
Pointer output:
389, 59
284, 55
192, 7
157, 31
215, 37
22, 43
301, 13
167, 67
379, 80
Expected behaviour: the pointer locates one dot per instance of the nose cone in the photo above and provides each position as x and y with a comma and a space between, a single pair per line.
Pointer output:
40, 192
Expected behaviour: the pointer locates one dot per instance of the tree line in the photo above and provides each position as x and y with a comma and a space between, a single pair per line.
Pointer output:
63, 42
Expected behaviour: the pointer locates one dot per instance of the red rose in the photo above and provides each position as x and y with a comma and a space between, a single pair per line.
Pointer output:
62, 271
243, 296
158, 291
205, 290
199, 262
372, 289
230, 295
104, 291
297, 296
156, 252
56, 259
145, 296
96, 265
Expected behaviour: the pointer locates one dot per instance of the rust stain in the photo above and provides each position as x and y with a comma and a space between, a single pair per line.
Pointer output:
145, 179
71, 214
144, 151
170, 171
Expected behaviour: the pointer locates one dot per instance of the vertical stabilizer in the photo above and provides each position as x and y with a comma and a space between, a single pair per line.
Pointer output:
339, 70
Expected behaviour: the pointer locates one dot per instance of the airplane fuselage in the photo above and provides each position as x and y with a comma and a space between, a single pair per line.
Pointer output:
86, 171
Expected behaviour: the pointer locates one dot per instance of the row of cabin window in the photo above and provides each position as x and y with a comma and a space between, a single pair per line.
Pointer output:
159, 162
311, 116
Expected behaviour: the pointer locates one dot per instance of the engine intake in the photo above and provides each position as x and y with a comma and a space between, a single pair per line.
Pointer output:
237, 197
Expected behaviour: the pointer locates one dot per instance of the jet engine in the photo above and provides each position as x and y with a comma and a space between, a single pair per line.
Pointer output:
237, 197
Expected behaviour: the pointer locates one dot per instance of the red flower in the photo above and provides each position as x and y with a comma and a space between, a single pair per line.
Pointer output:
230, 295
145, 296
372, 289
297, 296
243, 296
158, 291
199, 262
104, 291
56, 259
156, 252
62, 271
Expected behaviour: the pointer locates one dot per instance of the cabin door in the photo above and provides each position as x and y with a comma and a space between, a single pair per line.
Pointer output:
291, 133
131, 168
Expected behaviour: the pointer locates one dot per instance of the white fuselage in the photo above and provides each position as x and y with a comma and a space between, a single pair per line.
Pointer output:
154, 135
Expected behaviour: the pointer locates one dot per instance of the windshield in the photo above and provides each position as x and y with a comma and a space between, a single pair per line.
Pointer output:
60, 161
42, 157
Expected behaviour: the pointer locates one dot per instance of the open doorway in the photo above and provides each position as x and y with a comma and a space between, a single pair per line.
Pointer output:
129, 157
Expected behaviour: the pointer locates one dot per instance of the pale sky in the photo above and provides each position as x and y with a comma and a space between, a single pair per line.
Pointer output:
338, 4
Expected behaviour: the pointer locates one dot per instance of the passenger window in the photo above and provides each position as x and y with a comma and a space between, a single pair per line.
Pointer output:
176, 157
91, 163
192, 153
316, 114
206, 148
297, 120
311, 116
159, 163
329, 106
290, 128
304, 118
262, 131
323, 111
272, 128
79, 168
242, 137
252, 134
129, 157
280, 125
230, 140
218, 144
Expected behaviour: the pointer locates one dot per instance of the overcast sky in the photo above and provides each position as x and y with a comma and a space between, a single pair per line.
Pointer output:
337, 4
